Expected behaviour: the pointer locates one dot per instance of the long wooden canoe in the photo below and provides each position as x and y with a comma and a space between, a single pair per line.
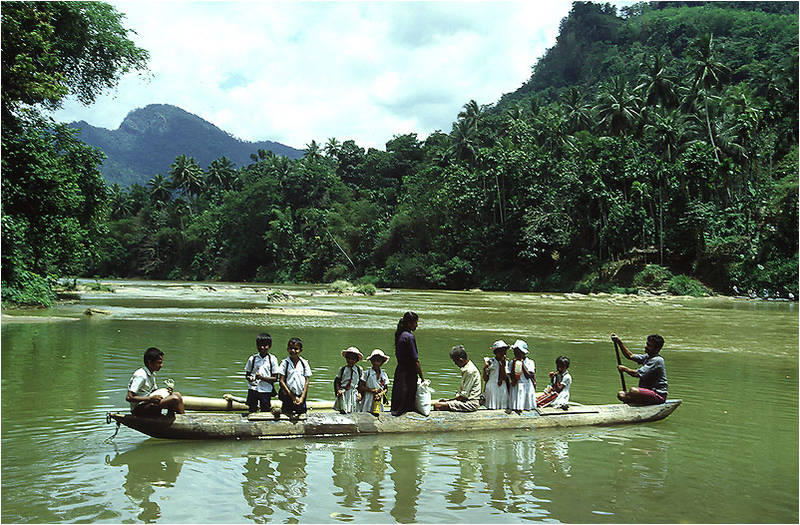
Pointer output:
330, 423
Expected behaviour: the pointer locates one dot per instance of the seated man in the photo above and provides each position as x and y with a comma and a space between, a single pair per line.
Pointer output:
145, 397
466, 399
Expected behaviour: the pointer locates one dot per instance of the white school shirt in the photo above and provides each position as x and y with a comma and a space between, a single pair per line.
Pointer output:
142, 383
296, 377
266, 366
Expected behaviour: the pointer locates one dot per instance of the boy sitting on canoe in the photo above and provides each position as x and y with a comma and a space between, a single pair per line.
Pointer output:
467, 398
145, 397
652, 374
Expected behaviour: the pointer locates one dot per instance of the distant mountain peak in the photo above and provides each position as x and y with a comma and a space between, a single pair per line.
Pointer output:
149, 138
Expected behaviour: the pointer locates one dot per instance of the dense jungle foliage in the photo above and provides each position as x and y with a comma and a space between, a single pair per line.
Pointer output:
649, 148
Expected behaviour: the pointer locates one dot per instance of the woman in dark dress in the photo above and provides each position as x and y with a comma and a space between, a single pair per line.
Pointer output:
404, 384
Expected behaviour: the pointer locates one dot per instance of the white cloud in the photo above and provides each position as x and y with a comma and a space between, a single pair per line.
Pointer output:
295, 71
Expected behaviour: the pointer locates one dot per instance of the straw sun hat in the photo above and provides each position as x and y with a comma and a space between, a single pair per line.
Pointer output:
353, 350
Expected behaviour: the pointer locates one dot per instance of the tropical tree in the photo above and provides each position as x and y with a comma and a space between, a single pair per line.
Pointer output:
332, 147
186, 175
312, 152
221, 173
617, 107
471, 114
53, 193
576, 110
658, 86
160, 189
708, 73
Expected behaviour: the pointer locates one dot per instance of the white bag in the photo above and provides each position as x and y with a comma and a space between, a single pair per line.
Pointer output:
424, 397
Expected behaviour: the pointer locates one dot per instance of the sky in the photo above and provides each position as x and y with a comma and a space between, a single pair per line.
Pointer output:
292, 72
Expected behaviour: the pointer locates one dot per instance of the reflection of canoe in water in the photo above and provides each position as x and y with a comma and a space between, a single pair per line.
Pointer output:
330, 423
233, 403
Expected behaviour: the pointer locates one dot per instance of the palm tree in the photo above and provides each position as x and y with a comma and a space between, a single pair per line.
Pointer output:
119, 201
312, 151
186, 175
464, 145
160, 190
617, 107
708, 73
577, 112
658, 86
221, 173
472, 113
332, 147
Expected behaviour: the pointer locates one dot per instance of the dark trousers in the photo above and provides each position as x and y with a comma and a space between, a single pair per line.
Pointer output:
258, 401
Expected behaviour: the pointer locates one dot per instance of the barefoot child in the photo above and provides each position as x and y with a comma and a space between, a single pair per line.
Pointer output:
522, 390
345, 385
143, 389
293, 375
375, 383
260, 371
495, 374
652, 374
556, 394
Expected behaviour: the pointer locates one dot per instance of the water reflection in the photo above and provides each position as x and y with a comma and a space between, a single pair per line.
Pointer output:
146, 471
406, 463
469, 467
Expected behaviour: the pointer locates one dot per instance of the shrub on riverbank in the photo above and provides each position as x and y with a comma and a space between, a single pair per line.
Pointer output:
366, 289
685, 285
340, 287
28, 289
652, 277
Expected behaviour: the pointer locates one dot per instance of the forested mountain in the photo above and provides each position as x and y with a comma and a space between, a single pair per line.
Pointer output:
150, 138
654, 148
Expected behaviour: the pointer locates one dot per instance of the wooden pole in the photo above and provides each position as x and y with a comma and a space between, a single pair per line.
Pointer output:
619, 362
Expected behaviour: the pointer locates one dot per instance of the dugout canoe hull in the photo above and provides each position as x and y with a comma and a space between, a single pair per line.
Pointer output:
330, 423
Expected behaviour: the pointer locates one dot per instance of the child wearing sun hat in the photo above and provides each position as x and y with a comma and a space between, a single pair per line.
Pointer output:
521, 391
345, 385
375, 383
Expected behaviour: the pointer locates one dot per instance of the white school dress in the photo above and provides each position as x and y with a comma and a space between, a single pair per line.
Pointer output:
349, 376
373, 380
522, 396
496, 395
563, 396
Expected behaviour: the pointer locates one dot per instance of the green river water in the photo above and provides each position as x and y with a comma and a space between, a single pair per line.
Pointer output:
729, 453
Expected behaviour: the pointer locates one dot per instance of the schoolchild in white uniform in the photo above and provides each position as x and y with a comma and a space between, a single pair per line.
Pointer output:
375, 383
261, 372
145, 397
495, 377
345, 385
522, 388
293, 375
556, 394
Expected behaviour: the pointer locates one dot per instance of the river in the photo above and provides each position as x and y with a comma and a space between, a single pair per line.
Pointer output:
728, 454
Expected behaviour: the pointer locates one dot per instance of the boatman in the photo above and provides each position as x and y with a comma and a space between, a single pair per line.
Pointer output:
143, 392
467, 398
652, 374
